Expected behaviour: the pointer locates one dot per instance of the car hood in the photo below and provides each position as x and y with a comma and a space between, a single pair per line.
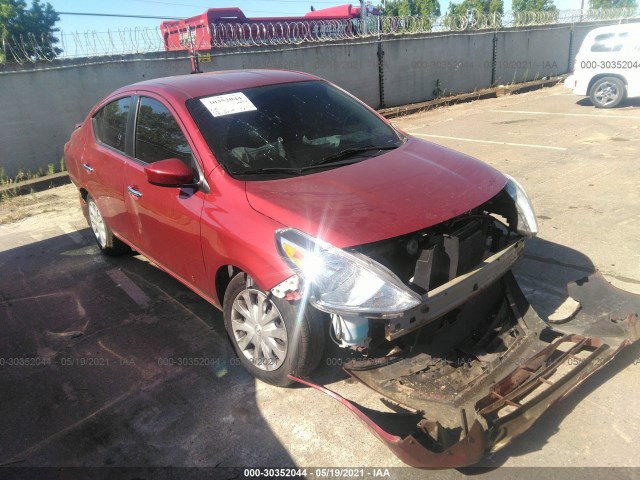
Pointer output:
415, 186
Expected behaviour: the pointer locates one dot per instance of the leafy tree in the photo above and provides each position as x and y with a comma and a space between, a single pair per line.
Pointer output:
405, 8
533, 6
476, 8
27, 32
471, 10
597, 4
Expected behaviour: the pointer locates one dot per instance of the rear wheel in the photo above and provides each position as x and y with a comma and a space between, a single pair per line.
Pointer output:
272, 337
607, 92
105, 239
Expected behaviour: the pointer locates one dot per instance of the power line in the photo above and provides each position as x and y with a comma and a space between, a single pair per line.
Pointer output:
119, 15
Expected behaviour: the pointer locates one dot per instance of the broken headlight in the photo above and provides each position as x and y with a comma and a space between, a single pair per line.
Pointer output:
341, 282
527, 223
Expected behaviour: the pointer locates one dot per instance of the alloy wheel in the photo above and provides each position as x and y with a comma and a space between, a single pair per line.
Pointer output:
97, 224
607, 93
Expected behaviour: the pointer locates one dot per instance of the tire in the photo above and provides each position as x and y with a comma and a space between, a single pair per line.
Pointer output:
293, 337
607, 92
108, 243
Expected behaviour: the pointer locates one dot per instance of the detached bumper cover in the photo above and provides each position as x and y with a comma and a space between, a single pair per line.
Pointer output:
408, 448
509, 399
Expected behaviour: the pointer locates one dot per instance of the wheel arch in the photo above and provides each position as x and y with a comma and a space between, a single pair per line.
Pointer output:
224, 275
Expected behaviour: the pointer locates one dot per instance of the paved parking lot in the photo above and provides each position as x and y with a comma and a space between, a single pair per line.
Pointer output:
110, 344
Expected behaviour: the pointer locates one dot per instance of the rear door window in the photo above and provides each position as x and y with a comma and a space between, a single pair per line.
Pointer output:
110, 123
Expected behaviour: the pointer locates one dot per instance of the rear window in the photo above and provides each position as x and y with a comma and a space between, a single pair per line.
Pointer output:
293, 126
609, 42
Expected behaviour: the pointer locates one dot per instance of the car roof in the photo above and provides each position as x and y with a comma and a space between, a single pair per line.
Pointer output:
198, 85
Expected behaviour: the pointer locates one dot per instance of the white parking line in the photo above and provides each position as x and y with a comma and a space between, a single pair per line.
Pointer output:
489, 141
130, 288
564, 114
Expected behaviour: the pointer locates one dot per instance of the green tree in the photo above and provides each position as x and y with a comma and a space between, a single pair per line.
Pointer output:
597, 4
464, 14
27, 32
476, 8
533, 6
405, 8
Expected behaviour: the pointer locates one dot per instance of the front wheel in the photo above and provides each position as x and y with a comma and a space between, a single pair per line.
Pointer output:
272, 337
607, 92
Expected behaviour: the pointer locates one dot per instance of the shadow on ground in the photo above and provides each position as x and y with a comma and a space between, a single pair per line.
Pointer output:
110, 362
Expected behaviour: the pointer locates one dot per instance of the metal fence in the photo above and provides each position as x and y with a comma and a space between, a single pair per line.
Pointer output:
88, 44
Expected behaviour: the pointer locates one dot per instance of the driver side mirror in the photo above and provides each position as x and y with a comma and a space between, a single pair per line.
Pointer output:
170, 173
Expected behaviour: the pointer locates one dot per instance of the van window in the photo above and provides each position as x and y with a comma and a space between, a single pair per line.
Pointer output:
609, 42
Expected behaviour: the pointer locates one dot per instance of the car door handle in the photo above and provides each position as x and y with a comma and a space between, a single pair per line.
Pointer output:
87, 167
134, 192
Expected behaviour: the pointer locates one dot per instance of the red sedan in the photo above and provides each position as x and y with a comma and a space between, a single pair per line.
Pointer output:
305, 216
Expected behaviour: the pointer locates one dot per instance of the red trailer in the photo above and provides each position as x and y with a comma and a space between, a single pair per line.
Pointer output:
230, 27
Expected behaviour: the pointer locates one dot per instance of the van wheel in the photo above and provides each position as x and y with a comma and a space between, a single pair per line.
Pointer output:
607, 92
272, 337
107, 242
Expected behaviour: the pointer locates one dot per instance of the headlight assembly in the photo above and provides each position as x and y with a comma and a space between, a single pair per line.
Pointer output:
341, 282
527, 223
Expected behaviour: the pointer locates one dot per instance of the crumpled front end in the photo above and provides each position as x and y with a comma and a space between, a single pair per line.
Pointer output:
469, 365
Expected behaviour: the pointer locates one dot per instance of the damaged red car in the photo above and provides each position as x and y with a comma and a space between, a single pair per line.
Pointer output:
307, 217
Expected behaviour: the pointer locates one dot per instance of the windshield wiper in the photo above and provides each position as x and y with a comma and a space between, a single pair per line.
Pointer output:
347, 152
336, 159
274, 170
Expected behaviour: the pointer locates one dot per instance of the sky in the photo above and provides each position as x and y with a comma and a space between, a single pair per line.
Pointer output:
190, 8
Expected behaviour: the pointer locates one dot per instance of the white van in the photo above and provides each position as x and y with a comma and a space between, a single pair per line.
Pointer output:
607, 67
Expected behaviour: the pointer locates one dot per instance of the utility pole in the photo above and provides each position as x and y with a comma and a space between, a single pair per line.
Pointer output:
195, 62
363, 17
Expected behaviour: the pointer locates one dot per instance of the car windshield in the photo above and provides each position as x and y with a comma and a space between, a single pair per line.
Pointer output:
289, 129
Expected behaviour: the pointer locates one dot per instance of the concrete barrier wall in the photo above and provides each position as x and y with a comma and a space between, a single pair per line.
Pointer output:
414, 69
40, 107
542, 53
39, 104
352, 66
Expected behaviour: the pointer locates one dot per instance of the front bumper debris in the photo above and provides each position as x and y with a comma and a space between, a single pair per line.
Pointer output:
410, 448
435, 426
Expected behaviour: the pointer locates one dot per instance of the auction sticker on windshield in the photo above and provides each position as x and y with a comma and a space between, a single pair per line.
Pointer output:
228, 104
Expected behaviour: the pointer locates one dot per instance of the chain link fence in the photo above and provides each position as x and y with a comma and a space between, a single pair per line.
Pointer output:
89, 44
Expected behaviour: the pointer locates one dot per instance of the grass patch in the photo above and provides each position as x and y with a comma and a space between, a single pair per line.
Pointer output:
10, 185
